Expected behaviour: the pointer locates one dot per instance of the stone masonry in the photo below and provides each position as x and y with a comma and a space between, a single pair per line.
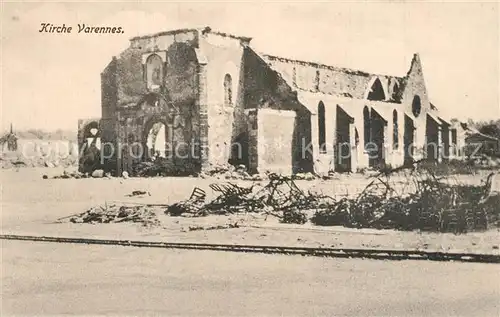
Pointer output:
213, 100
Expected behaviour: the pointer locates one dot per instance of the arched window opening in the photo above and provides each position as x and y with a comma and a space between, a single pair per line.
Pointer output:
395, 134
321, 128
366, 125
416, 106
92, 135
156, 141
154, 71
228, 91
376, 91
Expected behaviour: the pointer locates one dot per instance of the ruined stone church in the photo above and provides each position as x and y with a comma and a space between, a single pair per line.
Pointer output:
198, 98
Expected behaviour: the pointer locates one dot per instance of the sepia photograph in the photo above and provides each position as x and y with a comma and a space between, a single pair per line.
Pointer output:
216, 158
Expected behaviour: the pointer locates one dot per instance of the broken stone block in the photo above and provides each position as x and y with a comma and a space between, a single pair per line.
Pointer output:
241, 168
98, 174
257, 177
245, 174
49, 165
300, 176
309, 177
125, 174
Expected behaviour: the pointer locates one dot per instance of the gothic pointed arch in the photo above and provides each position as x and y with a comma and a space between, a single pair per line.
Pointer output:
321, 128
376, 91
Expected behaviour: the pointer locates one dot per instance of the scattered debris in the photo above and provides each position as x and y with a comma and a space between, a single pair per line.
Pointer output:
281, 198
433, 205
304, 176
18, 163
426, 202
116, 214
232, 199
191, 206
219, 227
294, 216
71, 175
138, 193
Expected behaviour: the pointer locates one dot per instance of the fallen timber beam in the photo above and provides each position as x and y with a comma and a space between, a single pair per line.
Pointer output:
304, 251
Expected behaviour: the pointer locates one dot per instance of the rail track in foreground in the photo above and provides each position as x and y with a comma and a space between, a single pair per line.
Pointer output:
266, 249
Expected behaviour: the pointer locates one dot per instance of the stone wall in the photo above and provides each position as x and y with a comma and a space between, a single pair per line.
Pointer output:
314, 77
192, 101
403, 91
276, 141
139, 104
266, 89
226, 120
109, 89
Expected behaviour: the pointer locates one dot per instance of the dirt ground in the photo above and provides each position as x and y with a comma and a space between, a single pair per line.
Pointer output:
31, 205
53, 279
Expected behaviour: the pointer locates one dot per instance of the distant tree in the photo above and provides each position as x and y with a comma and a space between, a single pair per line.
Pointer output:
492, 129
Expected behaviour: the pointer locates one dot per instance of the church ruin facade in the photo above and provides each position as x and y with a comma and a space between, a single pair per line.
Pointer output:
196, 98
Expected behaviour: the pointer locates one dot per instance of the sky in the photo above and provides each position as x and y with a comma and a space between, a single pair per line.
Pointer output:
49, 81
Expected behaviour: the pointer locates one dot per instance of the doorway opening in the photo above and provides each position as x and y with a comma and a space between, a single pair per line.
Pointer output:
409, 138
156, 141
342, 154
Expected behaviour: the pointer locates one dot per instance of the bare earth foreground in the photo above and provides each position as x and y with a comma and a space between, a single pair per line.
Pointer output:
30, 205
60, 279
57, 279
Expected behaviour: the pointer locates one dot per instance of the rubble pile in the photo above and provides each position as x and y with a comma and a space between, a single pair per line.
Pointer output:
78, 175
233, 199
143, 215
434, 205
191, 206
427, 203
17, 161
227, 171
280, 197
158, 167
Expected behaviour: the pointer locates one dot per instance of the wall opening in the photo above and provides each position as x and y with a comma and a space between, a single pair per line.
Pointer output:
342, 154
432, 146
454, 142
376, 150
90, 145
376, 91
154, 71
395, 133
408, 137
228, 91
416, 106
156, 142
239, 150
445, 139
92, 135
395, 91
321, 128
366, 126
